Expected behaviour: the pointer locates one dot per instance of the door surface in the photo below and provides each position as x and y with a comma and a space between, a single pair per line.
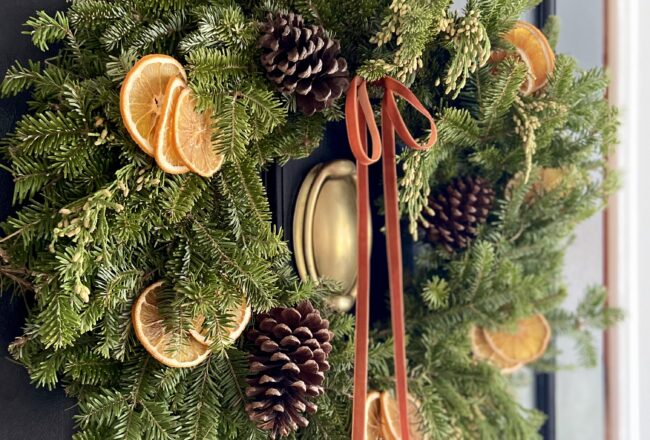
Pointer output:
25, 412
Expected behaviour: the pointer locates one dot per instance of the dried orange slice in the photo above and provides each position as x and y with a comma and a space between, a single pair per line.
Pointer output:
240, 317
526, 344
390, 418
373, 416
193, 136
535, 51
177, 351
165, 152
549, 180
484, 352
142, 95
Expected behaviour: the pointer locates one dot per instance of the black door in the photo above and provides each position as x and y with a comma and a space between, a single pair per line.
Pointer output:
25, 412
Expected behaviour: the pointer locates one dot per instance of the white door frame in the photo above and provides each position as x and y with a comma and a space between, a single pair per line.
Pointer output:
628, 234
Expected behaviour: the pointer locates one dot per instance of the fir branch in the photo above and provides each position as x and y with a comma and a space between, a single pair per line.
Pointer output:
220, 26
100, 408
47, 30
436, 293
411, 24
247, 211
89, 14
181, 196
18, 78
233, 128
35, 134
240, 274
145, 38
34, 221
469, 45
59, 320
499, 94
158, 422
294, 140
217, 67
117, 34
499, 16
203, 402
552, 30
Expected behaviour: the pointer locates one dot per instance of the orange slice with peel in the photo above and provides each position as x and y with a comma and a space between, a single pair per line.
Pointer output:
193, 136
390, 418
241, 315
165, 152
549, 179
526, 344
373, 416
534, 50
484, 352
141, 96
176, 351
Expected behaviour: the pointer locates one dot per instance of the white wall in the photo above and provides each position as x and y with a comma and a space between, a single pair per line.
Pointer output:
629, 63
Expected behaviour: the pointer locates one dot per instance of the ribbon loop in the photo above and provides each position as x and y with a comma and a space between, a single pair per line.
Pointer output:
358, 99
394, 87
357, 127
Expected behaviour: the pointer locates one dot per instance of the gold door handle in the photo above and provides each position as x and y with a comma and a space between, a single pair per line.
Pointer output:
325, 219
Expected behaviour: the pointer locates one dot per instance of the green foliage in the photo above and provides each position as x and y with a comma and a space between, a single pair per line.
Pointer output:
468, 43
461, 399
552, 30
514, 267
47, 30
97, 221
402, 38
499, 16
592, 315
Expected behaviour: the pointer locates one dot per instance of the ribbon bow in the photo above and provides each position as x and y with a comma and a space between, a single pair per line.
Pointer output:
360, 120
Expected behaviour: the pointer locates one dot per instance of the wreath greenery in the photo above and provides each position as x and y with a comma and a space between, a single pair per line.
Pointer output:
97, 220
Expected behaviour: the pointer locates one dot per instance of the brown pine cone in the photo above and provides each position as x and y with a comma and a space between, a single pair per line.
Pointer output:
287, 367
458, 210
304, 61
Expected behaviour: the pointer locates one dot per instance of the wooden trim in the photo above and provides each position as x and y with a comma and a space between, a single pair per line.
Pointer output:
625, 270
610, 268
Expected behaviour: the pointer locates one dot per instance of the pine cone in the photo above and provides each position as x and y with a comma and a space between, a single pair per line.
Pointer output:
458, 210
303, 60
287, 367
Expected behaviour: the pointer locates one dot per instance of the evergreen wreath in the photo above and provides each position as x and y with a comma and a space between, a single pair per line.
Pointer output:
97, 221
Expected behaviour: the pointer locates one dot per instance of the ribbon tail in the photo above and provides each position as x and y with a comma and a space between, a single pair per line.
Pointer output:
395, 275
359, 418
359, 118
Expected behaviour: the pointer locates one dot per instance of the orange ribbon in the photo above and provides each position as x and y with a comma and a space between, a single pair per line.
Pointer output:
360, 120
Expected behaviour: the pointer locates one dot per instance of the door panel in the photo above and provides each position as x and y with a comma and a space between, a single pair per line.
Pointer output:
25, 412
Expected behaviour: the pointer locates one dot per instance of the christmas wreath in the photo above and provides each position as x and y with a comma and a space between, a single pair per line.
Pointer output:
162, 296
